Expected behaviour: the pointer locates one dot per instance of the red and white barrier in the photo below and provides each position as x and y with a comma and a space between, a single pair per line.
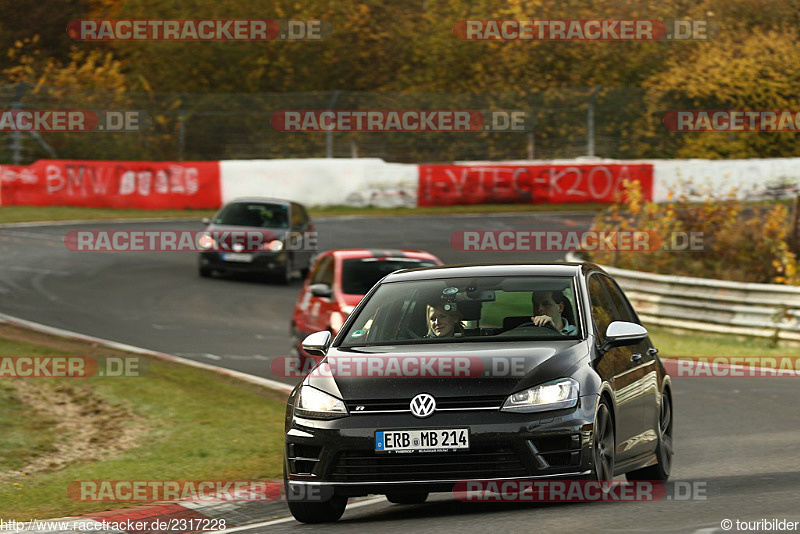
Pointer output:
112, 184
441, 185
363, 182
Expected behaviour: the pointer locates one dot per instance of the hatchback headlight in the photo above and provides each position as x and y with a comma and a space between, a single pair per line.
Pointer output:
276, 245
205, 241
315, 404
555, 395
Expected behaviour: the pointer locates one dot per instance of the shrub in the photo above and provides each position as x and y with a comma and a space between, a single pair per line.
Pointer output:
744, 243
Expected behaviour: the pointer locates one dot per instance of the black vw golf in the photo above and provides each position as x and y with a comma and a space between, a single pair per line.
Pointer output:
477, 373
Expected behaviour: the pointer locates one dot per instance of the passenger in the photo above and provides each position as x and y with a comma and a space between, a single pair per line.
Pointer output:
442, 323
548, 307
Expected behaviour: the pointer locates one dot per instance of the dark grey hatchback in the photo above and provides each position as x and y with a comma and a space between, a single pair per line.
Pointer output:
286, 239
546, 373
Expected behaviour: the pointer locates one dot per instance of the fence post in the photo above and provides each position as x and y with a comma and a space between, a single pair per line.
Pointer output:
590, 122
329, 134
531, 147
16, 135
794, 240
181, 126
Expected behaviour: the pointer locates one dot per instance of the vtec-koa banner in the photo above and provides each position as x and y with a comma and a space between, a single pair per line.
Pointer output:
443, 185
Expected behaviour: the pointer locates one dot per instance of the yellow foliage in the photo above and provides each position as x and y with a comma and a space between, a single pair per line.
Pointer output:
741, 243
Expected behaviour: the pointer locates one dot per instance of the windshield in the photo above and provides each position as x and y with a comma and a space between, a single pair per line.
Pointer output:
359, 275
254, 214
467, 309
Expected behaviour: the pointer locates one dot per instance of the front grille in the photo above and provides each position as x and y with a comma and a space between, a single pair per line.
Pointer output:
367, 466
442, 403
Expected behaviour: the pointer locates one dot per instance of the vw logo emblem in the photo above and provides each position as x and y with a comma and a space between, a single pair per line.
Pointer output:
423, 405
238, 247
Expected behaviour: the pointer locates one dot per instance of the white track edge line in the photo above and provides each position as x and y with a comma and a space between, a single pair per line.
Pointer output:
359, 504
266, 382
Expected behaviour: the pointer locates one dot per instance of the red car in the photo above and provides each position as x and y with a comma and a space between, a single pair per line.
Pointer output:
338, 281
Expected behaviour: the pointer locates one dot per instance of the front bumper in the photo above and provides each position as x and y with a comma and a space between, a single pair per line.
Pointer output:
339, 455
262, 262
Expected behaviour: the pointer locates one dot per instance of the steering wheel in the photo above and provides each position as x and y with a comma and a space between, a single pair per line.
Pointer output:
407, 331
548, 325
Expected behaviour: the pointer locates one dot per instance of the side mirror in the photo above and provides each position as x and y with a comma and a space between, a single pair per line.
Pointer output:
621, 334
321, 290
205, 220
317, 343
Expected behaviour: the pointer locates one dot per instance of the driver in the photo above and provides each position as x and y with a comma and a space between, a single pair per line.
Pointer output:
442, 323
547, 309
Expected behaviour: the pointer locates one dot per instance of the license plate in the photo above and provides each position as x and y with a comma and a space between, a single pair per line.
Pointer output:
428, 440
236, 256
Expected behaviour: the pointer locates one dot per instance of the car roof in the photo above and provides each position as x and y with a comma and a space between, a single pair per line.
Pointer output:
354, 253
493, 269
262, 199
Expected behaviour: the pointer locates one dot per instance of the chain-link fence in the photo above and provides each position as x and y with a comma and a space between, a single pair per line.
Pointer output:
191, 126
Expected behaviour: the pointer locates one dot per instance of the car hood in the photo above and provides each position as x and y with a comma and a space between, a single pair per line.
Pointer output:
499, 369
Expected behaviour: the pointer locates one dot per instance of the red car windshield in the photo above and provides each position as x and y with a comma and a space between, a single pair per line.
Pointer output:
360, 274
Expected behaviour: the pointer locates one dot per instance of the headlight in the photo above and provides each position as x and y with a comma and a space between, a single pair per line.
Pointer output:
337, 320
555, 395
316, 404
276, 245
206, 242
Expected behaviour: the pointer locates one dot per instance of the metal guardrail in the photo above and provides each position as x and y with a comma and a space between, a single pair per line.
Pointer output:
760, 310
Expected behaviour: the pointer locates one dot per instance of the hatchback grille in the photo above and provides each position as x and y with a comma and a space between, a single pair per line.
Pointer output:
442, 403
367, 466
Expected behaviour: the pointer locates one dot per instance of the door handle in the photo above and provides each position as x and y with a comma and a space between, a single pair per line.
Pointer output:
636, 357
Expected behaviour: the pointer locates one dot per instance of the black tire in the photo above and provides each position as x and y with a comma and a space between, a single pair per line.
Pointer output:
315, 511
284, 276
204, 272
294, 342
407, 498
318, 512
604, 444
664, 451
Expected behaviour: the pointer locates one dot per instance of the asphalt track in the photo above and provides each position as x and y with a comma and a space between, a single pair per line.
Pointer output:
735, 437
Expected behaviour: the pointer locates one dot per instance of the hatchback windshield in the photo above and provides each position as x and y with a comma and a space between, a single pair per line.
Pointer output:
254, 214
467, 309
359, 275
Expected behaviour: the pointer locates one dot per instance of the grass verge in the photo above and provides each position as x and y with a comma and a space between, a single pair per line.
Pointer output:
674, 344
176, 423
12, 214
